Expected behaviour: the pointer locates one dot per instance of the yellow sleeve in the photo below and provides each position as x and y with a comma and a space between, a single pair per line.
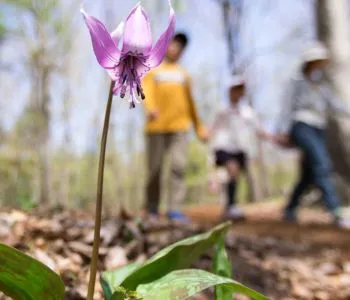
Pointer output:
149, 88
193, 110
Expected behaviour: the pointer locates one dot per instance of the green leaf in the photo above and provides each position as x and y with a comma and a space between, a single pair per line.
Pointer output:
123, 294
183, 284
174, 257
222, 267
111, 280
24, 278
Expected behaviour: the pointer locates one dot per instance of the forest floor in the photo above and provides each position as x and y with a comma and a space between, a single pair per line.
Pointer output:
309, 260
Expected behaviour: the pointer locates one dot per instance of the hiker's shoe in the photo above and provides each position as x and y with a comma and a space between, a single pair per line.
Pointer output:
177, 216
234, 213
342, 218
289, 216
343, 223
150, 220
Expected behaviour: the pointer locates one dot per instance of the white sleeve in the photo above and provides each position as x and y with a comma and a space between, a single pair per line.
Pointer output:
336, 104
218, 120
251, 116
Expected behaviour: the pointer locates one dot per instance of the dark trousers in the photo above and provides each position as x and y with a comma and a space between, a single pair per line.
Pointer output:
222, 158
315, 169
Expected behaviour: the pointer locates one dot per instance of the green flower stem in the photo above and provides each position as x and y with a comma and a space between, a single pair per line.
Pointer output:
98, 212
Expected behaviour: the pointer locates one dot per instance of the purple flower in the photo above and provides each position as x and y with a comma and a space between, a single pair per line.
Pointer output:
127, 53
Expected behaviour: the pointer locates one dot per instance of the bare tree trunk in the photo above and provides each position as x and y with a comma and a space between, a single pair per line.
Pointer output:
66, 175
333, 30
44, 138
228, 31
39, 110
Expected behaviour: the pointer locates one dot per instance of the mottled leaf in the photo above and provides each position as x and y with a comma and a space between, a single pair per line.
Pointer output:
111, 280
123, 294
222, 267
177, 256
182, 284
24, 278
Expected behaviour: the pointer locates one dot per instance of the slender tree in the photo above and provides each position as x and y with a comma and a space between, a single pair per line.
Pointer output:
334, 31
44, 28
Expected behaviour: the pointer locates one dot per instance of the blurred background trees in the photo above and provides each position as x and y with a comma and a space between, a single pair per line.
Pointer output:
52, 96
44, 30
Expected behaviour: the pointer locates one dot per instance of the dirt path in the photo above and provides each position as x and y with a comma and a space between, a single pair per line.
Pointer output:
264, 220
309, 260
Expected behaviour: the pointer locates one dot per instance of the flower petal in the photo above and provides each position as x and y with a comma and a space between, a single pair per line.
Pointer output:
112, 75
117, 34
137, 37
116, 90
158, 52
141, 69
106, 52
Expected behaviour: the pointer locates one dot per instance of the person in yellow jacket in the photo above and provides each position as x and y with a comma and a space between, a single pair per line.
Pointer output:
170, 114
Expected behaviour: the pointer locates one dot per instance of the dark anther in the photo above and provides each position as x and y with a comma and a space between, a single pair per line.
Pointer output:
138, 91
124, 78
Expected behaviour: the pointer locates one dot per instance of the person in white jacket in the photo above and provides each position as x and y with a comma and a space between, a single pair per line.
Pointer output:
231, 138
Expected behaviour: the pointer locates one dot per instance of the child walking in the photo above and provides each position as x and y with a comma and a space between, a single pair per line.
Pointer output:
230, 138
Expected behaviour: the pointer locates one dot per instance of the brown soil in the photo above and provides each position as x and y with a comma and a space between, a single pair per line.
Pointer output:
309, 260
306, 261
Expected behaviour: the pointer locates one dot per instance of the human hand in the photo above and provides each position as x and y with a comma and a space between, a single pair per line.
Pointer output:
263, 135
282, 140
203, 134
266, 136
153, 115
